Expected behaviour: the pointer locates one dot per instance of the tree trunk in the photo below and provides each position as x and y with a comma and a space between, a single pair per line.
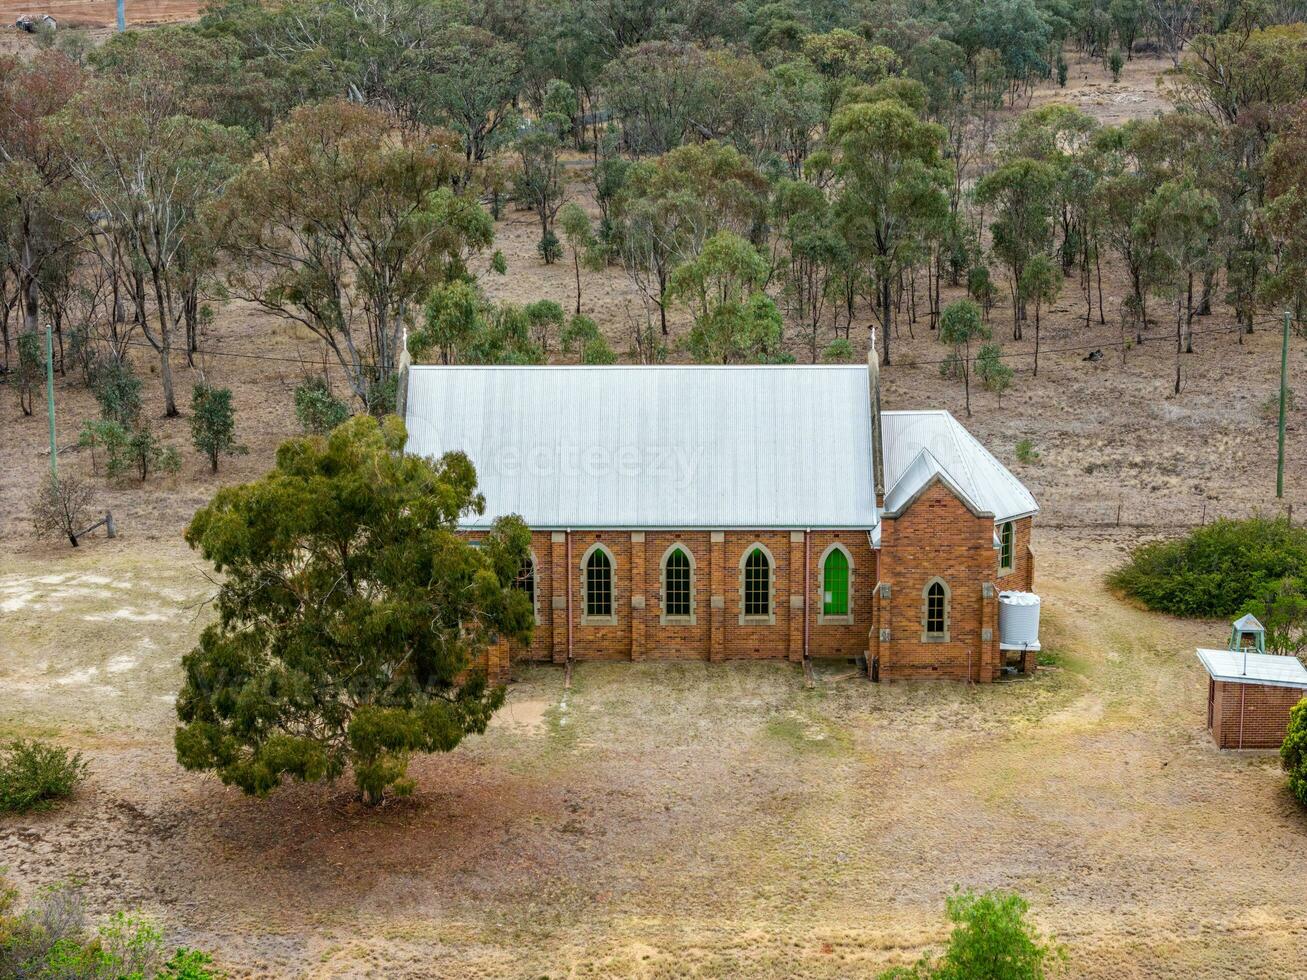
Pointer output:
1098, 271
966, 375
885, 314
1179, 340
165, 349
1189, 317
1035, 373
576, 261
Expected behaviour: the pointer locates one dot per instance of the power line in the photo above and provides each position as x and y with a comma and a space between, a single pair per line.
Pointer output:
1136, 341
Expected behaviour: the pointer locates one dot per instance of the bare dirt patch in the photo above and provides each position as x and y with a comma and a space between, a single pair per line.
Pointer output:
717, 819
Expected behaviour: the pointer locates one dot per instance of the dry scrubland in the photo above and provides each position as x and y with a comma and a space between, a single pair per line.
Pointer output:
685, 819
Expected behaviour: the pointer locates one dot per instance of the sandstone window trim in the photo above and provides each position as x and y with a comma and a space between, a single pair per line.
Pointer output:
835, 619
1007, 548
751, 594
604, 591
936, 602
668, 589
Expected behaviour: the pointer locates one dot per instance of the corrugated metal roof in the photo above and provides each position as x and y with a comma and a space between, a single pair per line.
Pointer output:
647, 447
920, 472
692, 446
1238, 667
982, 478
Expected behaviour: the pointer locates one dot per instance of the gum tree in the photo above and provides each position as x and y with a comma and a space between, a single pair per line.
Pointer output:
350, 615
343, 226
893, 196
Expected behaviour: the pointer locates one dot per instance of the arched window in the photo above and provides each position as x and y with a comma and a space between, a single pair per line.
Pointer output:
678, 586
835, 583
1007, 547
935, 610
598, 583
756, 586
526, 579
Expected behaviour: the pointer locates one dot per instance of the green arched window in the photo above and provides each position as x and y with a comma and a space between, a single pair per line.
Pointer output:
1007, 547
835, 584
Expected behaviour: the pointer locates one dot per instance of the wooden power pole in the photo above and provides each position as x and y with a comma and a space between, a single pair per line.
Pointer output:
49, 400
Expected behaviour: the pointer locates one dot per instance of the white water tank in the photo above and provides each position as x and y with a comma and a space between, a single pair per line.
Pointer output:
1018, 621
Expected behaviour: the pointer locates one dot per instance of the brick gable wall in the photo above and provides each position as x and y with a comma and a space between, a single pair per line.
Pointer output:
937, 537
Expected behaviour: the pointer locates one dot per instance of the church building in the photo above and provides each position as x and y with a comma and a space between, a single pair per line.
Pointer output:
716, 513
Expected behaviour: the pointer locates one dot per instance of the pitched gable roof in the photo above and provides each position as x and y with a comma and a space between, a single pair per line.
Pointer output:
649, 447
971, 468
921, 473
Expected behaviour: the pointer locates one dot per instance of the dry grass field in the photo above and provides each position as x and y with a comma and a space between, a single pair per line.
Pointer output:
701, 820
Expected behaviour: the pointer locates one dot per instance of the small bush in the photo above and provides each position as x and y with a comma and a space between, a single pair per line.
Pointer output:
994, 373
991, 940
1115, 62
550, 248
213, 423
1215, 570
317, 409
598, 351
118, 391
60, 507
840, 351
1026, 453
142, 454
52, 939
1293, 752
101, 434
34, 774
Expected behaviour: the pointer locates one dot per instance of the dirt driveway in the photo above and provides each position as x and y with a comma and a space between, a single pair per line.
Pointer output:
662, 819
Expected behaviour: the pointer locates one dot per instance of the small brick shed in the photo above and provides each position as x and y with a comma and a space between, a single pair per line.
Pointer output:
1249, 696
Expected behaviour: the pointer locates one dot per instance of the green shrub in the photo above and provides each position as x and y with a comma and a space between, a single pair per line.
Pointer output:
118, 391
1215, 570
1282, 608
142, 454
213, 423
598, 351
33, 775
1293, 751
991, 940
52, 939
317, 409
994, 373
840, 351
104, 434
1115, 62
550, 248
1026, 453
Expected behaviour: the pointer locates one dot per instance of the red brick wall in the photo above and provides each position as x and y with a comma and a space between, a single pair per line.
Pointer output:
938, 537
1022, 576
1265, 714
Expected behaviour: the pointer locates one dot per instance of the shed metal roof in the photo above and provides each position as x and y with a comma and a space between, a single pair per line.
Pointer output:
690, 446
988, 484
1261, 668
649, 447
